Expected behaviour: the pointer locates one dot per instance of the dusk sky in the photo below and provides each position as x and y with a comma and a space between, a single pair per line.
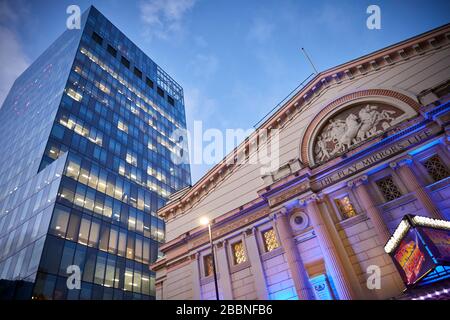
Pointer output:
235, 59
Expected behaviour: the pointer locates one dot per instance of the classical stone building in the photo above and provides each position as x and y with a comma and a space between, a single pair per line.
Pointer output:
361, 145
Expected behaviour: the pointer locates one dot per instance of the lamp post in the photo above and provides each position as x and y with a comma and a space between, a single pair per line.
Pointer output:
205, 221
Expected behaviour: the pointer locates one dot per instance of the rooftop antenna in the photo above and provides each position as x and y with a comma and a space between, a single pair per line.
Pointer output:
307, 57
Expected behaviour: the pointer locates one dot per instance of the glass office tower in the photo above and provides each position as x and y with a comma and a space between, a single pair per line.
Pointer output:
85, 162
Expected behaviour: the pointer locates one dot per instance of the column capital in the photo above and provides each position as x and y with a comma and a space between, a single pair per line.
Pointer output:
194, 256
358, 181
312, 197
283, 211
219, 244
402, 161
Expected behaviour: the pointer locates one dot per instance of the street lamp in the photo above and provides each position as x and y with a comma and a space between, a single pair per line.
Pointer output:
206, 222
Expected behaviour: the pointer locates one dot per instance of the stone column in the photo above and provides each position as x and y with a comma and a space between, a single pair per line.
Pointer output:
332, 260
405, 171
256, 265
223, 271
295, 263
195, 276
374, 214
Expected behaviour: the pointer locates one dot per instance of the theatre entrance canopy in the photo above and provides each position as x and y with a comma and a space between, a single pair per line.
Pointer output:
420, 250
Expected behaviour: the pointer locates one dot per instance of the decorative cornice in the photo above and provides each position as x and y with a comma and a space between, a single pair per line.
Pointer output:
351, 70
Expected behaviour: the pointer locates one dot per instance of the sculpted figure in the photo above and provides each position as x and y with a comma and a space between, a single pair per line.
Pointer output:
339, 135
352, 127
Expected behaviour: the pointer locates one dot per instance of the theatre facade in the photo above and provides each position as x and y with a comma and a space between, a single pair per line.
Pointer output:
361, 146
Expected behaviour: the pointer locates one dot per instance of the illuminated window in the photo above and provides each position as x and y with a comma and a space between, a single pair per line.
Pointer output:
131, 159
238, 251
102, 87
436, 169
151, 146
208, 265
74, 95
345, 207
151, 171
389, 189
122, 126
270, 240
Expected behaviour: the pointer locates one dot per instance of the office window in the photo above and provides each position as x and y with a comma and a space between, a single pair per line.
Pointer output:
89, 266
97, 38
104, 237
149, 82
270, 240
100, 268
436, 168
125, 62
171, 101
130, 247
74, 95
60, 221
345, 207
83, 235
138, 248
238, 250
74, 226
121, 247
122, 126
131, 159
138, 73
67, 257
146, 251
128, 279
110, 268
208, 265
112, 51
160, 92
388, 188
73, 169
94, 233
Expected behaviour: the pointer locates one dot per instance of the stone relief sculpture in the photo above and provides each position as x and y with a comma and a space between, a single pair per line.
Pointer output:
352, 127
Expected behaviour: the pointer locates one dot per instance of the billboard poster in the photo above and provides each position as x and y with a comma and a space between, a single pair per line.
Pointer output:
412, 258
439, 241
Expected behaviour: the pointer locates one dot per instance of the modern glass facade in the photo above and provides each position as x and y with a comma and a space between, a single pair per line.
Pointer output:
85, 162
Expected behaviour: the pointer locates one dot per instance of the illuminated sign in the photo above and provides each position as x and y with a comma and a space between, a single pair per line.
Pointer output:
418, 246
412, 258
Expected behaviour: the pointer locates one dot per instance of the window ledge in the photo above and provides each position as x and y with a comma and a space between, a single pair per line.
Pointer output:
438, 185
344, 224
208, 279
404, 199
239, 267
269, 255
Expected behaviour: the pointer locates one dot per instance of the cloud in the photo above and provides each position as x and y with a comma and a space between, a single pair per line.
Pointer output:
164, 18
261, 30
198, 105
200, 41
13, 60
204, 65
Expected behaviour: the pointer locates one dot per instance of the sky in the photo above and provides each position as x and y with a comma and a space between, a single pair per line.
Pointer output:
235, 59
